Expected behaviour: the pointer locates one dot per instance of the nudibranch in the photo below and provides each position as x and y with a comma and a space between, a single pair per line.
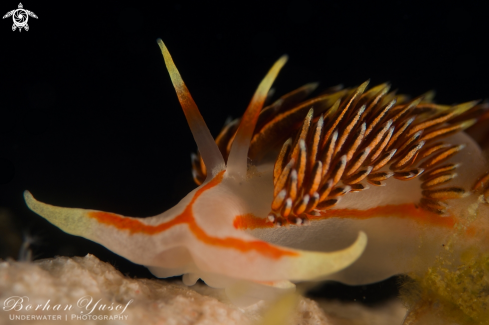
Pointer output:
290, 192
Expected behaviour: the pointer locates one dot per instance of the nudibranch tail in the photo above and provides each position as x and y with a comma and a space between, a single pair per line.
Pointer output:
207, 147
238, 157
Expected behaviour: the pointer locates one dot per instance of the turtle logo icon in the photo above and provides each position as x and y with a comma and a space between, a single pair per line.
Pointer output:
20, 17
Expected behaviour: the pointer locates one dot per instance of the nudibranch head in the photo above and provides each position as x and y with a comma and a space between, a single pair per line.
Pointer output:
333, 169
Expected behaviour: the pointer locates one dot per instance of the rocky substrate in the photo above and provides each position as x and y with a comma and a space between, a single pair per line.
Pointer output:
85, 290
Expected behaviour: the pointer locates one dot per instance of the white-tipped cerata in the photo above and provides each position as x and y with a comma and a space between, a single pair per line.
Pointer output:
238, 156
205, 142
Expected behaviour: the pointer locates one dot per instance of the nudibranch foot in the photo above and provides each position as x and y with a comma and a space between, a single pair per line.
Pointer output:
240, 292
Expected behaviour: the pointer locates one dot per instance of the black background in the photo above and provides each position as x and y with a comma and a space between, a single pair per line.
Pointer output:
89, 117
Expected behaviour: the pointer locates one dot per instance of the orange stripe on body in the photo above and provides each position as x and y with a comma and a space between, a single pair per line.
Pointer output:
405, 211
250, 221
186, 217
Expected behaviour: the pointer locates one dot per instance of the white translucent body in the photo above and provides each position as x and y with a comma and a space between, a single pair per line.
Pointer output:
259, 264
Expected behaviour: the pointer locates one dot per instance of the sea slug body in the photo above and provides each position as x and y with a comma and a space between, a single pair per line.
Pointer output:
326, 173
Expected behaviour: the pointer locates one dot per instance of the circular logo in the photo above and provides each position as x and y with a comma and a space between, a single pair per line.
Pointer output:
20, 17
